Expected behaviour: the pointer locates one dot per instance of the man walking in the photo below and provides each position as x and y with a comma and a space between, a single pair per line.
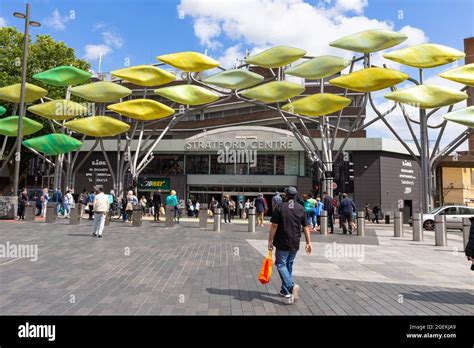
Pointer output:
285, 235
260, 208
346, 209
157, 205
329, 207
101, 207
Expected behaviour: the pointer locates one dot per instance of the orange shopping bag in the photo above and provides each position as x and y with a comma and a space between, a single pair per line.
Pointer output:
266, 271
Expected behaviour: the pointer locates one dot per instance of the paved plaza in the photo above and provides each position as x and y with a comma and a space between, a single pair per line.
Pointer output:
185, 270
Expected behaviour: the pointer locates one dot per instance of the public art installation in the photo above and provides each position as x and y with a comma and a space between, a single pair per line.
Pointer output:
128, 118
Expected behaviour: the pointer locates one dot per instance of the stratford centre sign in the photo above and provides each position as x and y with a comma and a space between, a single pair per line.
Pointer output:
239, 144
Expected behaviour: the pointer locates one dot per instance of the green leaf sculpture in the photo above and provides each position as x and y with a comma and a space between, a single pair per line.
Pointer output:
276, 57
234, 79
274, 91
427, 96
101, 92
62, 76
464, 116
369, 41
53, 144
319, 67
9, 126
188, 94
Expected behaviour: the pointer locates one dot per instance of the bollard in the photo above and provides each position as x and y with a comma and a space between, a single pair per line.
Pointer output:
137, 216
202, 215
107, 219
252, 220
169, 216
398, 224
50, 213
361, 223
30, 211
323, 223
217, 219
466, 227
417, 223
440, 231
74, 218
387, 219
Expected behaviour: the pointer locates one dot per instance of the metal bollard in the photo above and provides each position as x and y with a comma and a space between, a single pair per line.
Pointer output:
323, 223
217, 219
466, 227
387, 219
417, 223
361, 224
169, 216
50, 213
202, 215
30, 210
252, 220
74, 218
398, 224
137, 216
440, 231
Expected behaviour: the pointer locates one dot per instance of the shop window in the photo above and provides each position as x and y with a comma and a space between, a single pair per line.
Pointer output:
280, 164
166, 164
221, 168
197, 164
265, 165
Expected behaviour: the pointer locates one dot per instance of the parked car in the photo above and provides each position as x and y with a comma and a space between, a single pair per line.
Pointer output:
454, 215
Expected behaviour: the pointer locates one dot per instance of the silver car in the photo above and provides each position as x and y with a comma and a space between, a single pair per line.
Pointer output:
454, 215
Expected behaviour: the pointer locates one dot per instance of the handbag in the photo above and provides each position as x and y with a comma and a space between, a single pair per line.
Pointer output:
266, 270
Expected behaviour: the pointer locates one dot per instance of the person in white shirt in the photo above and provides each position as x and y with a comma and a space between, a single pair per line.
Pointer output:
68, 203
101, 207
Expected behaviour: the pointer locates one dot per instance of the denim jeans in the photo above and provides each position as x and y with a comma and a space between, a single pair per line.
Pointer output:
67, 210
284, 262
58, 208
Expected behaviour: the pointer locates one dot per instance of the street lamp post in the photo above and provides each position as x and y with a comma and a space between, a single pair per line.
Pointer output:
26, 17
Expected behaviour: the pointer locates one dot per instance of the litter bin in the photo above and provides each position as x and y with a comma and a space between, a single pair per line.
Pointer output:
137, 216
30, 210
387, 219
169, 216
50, 213
202, 215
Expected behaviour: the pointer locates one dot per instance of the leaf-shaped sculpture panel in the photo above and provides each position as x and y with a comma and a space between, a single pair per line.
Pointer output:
274, 91
463, 74
98, 126
371, 40
234, 79
101, 92
317, 104
142, 109
9, 126
425, 55
59, 110
319, 67
369, 79
188, 94
464, 116
427, 96
2, 110
12, 93
276, 57
63, 76
53, 144
189, 61
145, 75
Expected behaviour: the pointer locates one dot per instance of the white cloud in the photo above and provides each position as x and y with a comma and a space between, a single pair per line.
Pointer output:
93, 52
206, 30
112, 39
99, 25
3, 22
56, 21
231, 57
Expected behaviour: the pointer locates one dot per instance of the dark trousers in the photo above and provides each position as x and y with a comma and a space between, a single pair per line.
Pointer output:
91, 212
376, 218
21, 211
157, 213
226, 215
331, 221
346, 223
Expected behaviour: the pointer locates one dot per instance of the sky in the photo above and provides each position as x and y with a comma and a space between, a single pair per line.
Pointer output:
133, 32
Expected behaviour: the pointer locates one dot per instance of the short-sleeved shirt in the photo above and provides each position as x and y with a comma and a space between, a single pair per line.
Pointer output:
289, 217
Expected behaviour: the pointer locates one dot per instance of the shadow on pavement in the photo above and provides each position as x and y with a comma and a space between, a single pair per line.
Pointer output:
80, 235
245, 295
453, 297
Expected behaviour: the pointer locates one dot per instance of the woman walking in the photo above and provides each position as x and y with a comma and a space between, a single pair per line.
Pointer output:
22, 200
131, 201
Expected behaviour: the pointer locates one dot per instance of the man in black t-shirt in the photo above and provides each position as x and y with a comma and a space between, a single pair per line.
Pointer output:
285, 234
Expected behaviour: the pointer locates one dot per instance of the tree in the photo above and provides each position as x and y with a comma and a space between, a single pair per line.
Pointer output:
43, 54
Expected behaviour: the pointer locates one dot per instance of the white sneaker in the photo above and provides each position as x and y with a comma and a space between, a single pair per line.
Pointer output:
296, 289
289, 299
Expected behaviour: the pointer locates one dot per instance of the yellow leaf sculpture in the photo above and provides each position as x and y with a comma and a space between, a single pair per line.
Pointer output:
369, 79
276, 57
59, 110
463, 74
12, 93
101, 92
319, 67
425, 55
188, 94
234, 79
368, 41
98, 126
142, 109
189, 61
274, 91
464, 116
145, 75
317, 104
427, 96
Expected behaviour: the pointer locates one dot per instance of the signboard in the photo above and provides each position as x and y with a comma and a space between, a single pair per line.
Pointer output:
334, 186
153, 184
7, 207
